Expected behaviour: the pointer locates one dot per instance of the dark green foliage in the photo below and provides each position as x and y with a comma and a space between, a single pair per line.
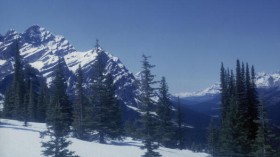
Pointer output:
179, 132
8, 103
252, 104
32, 105
115, 129
21, 97
239, 102
106, 108
43, 101
99, 110
59, 118
148, 121
212, 138
18, 87
262, 145
58, 95
224, 93
58, 132
165, 129
131, 129
14, 99
81, 108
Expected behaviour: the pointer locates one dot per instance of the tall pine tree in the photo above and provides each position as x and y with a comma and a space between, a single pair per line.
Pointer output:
115, 128
165, 128
212, 138
179, 132
146, 97
100, 121
81, 108
262, 145
43, 101
59, 118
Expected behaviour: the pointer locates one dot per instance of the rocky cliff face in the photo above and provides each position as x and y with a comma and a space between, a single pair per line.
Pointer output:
42, 49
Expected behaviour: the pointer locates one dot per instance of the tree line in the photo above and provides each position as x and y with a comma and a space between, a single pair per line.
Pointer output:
244, 130
94, 116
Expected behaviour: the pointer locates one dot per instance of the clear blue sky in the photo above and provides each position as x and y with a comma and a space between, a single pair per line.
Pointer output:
187, 39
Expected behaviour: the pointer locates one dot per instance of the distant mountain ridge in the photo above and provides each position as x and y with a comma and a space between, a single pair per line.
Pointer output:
263, 80
207, 101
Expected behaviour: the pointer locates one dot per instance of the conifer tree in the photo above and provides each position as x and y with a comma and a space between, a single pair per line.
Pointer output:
224, 96
43, 101
18, 87
263, 142
148, 121
165, 128
212, 138
32, 106
80, 107
238, 128
241, 100
9, 103
180, 131
115, 129
59, 118
252, 105
100, 121
26, 113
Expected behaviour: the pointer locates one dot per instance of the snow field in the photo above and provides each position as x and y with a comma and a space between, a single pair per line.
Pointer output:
17, 140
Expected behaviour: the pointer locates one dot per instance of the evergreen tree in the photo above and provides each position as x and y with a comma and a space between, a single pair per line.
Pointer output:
180, 131
263, 142
43, 101
165, 129
32, 106
224, 94
242, 104
239, 112
252, 104
131, 129
148, 121
58, 131
59, 118
80, 107
26, 113
18, 87
100, 121
212, 138
107, 112
9, 103
32, 85
115, 129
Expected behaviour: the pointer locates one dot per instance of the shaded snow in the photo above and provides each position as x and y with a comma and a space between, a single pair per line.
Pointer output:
38, 65
2, 62
17, 140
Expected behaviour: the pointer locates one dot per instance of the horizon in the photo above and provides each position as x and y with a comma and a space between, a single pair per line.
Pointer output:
213, 32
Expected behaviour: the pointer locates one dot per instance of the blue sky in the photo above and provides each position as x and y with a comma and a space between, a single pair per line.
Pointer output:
187, 39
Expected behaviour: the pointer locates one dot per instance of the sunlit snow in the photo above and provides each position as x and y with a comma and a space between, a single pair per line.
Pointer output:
17, 140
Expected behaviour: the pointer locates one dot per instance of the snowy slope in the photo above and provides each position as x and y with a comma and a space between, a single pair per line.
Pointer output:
17, 140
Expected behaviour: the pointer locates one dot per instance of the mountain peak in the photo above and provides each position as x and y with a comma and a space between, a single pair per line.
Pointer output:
35, 28
11, 34
35, 34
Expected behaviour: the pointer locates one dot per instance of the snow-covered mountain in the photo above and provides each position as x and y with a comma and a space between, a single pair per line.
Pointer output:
263, 81
42, 49
212, 90
207, 101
